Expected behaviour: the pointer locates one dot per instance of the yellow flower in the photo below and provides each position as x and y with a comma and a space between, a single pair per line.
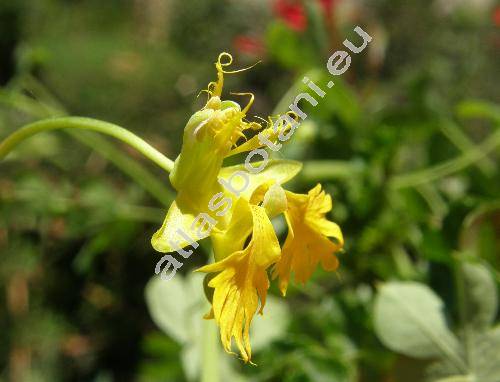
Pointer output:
210, 136
242, 281
307, 242
233, 206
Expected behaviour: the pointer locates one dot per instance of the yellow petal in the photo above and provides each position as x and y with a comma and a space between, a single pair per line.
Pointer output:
166, 238
232, 239
241, 282
277, 171
307, 242
272, 196
254, 143
275, 201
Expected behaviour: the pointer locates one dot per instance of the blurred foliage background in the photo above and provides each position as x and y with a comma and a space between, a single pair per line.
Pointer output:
407, 143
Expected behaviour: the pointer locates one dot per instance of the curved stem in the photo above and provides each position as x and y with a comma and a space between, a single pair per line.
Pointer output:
86, 124
448, 167
106, 149
319, 170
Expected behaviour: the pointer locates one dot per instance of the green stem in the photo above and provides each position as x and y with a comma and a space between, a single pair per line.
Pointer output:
210, 357
448, 167
464, 144
86, 124
320, 170
282, 106
105, 148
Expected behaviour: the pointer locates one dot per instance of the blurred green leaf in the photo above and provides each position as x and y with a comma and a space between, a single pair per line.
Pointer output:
486, 356
480, 295
172, 305
283, 43
409, 319
484, 362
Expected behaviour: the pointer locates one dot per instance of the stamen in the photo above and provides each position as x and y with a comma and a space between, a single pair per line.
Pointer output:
240, 134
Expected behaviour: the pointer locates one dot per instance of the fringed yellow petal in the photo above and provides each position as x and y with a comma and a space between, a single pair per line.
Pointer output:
307, 243
241, 282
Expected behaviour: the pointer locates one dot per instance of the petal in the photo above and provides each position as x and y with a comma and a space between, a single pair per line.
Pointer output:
163, 240
277, 170
307, 243
275, 201
232, 239
265, 246
254, 142
330, 229
242, 281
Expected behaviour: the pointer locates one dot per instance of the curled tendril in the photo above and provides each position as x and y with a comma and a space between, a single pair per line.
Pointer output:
219, 65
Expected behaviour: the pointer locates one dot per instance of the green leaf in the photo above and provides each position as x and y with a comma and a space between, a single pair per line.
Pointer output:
484, 363
409, 320
480, 295
284, 43
486, 356
442, 369
175, 307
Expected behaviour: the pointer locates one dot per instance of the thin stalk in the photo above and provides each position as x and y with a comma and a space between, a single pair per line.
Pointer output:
282, 106
86, 124
210, 355
453, 132
448, 167
106, 149
318, 170
436, 203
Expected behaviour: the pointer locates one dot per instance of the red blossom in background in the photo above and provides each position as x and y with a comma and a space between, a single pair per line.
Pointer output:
292, 13
496, 16
328, 5
249, 45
